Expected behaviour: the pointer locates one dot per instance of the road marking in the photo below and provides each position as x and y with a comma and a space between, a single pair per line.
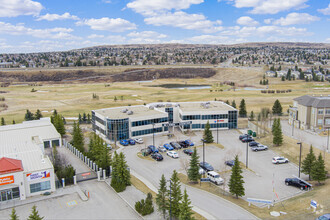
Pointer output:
72, 203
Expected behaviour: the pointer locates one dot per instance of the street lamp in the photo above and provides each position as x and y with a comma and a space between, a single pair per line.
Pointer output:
299, 158
328, 141
153, 134
247, 154
203, 151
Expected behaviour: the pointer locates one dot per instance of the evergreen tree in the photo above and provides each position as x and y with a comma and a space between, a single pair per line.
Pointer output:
318, 171
176, 194
58, 122
233, 104
236, 181
3, 121
88, 118
120, 174
227, 102
193, 171
84, 118
79, 118
283, 78
208, 133
242, 109
13, 215
35, 215
161, 197
277, 134
277, 108
14, 122
28, 115
308, 163
38, 115
274, 125
185, 207
78, 137
252, 116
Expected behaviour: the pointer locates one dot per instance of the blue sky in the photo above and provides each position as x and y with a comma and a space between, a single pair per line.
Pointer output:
55, 25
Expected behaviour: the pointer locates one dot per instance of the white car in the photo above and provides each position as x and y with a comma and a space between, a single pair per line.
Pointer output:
173, 154
277, 160
139, 140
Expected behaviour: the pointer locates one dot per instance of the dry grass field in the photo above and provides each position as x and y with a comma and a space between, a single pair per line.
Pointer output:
74, 98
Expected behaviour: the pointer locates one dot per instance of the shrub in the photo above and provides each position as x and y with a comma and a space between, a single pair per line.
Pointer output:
145, 207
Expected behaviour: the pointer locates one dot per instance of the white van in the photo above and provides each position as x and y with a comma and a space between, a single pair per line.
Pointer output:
215, 177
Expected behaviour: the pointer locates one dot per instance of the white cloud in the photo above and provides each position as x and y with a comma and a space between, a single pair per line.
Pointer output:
20, 29
325, 11
93, 36
268, 20
150, 7
108, 24
14, 8
53, 17
296, 18
146, 34
186, 21
270, 6
247, 21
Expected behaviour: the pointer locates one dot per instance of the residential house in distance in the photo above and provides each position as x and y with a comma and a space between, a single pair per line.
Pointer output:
310, 112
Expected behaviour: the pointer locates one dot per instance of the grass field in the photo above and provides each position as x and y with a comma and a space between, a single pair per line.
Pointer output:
75, 98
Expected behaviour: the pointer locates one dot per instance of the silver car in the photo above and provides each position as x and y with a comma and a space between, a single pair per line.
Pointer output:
259, 147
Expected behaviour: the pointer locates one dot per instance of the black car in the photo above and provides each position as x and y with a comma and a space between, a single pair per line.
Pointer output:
247, 139
188, 151
157, 156
183, 144
175, 145
230, 163
206, 166
253, 144
297, 183
243, 136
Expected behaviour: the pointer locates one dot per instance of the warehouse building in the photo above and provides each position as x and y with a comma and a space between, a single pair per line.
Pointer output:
24, 168
160, 118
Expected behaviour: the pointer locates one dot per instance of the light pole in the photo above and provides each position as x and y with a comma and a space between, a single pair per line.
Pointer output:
328, 141
203, 151
299, 158
247, 154
292, 126
153, 134
217, 132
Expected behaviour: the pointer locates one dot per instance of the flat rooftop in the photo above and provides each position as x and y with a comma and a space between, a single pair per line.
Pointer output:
205, 106
136, 112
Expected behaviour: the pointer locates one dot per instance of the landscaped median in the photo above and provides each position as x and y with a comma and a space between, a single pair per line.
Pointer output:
296, 206
138, 184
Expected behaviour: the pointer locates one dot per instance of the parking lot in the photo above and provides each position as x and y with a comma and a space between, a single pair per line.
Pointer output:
260, 179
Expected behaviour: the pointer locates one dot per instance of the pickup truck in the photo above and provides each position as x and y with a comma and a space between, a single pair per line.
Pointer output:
297, 183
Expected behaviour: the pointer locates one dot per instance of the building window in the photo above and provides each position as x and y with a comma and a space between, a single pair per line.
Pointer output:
55, 143
327, 112
320, 112
37, 187
327, 121
320, 121
46, 144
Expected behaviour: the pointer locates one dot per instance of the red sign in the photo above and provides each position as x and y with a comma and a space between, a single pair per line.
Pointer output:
6, 180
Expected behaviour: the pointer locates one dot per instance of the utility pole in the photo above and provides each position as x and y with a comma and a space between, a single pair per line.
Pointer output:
247, 154
328, 141
153, 134
217, 132
203, 151
299, 158
292, 126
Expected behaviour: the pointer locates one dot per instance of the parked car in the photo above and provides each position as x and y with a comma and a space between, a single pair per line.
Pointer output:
243, 136
253, 144
124, 142
153, 149
183, 144
138, 140
247, 139
188, 151
172, 154
277, 160
175, 145
157, 156
230, 163
161, 149
131, 142
324, 217
259, 147
297, 183
215, 177
189, 142
206, 166
201, 171
168, 147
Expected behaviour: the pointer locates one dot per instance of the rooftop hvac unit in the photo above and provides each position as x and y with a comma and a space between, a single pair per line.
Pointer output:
151, 107
130, 112
124, 110
207, 103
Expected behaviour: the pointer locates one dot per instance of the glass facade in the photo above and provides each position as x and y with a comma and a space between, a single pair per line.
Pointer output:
148, 131
118, 129
37, 187
9, 194
170, 114
232, 119
149, 121
203, 117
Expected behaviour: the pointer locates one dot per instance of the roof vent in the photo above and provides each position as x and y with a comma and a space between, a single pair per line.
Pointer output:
130, 112
124, 110
151, 107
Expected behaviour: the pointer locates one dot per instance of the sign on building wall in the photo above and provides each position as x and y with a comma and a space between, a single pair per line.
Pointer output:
6, 180
38, 175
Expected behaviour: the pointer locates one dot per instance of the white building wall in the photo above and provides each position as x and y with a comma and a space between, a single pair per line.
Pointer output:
18, 182
27, 182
